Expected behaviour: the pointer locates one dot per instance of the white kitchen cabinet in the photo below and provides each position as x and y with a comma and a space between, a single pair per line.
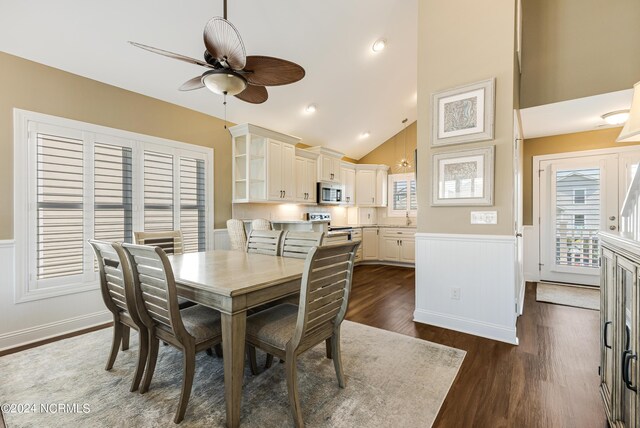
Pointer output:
365, 187
329, 164
398, 245
281, 167
370, 243
305, 177
381, 185
263, 165
371, 185
348, 174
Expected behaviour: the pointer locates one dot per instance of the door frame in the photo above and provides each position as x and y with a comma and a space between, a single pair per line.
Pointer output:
535, 171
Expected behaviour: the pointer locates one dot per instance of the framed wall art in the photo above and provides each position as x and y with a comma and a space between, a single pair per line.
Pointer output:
463, 177
463, 114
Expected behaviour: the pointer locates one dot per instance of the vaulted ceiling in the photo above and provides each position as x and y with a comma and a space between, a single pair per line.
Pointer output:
355, 89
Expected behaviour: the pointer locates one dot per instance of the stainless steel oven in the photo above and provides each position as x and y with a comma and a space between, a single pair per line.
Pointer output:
329, 193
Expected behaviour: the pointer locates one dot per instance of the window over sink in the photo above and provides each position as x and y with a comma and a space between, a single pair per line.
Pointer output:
402, 195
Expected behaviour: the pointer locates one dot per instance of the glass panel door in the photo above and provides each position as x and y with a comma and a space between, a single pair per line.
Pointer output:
579, 198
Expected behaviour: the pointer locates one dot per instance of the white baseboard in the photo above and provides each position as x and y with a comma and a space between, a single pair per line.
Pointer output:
465, 325
35, 334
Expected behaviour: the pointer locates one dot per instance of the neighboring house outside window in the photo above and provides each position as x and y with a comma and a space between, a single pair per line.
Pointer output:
579, 196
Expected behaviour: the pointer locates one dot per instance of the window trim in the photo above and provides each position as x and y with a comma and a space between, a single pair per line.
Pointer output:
409, 176
25, 207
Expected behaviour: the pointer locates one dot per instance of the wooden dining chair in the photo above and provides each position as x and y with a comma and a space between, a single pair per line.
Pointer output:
237, 234
261, 224
191, 330
264, 242
171, 241
298, 244
116, 286
288, 330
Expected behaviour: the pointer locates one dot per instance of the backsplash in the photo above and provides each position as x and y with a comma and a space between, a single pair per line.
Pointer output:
295, 212
286, 212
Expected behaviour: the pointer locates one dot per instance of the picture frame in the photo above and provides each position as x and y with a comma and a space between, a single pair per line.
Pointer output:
463, 177
463, 114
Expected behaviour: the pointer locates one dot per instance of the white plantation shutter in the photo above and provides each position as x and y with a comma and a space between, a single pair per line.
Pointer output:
76, 181
113, 185
192, 204
158, 191
60, 208
402, 195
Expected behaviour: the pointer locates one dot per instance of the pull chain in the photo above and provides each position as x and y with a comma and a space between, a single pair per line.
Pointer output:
225, 110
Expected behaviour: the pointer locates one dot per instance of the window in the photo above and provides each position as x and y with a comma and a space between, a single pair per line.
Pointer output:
402, 195
578, 196
578, 220
79, 181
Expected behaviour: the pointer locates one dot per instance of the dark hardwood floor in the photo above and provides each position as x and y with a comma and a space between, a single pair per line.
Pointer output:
549, 380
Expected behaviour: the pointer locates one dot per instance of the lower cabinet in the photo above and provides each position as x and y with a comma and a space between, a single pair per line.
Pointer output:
370, 243
398, 245
619, 326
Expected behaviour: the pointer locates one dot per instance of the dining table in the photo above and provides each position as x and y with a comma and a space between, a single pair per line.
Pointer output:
233, 282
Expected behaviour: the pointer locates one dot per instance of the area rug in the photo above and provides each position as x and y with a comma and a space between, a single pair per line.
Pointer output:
567, 295
392, 381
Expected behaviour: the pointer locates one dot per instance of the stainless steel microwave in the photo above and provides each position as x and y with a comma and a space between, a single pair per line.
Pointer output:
329, 193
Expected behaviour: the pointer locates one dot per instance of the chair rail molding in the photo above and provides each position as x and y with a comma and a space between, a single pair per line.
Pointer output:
467, 283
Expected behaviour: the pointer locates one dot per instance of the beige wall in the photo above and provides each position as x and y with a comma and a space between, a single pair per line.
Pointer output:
454, 49
577, 48
591, 140
31, 86
393, 150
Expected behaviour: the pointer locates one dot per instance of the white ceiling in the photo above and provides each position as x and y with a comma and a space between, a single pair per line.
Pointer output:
354, 89
582, 114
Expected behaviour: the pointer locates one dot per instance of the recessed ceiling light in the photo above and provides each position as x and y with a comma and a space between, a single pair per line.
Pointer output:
617, 117
379, 45
311, 108
364, 135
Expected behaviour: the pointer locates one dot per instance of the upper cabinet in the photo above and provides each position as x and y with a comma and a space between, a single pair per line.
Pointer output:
329, 164
348, 173
263, 165
371, 185
306, 176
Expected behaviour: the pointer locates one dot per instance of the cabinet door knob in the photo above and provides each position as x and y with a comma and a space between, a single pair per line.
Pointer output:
612, 217
612, 228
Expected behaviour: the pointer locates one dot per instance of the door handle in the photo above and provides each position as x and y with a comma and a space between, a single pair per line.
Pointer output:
627, 356
518, 235
604, 334
401, 242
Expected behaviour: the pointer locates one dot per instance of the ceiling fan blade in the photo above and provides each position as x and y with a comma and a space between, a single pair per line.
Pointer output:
171, 55
192, 84
224, 43
270, 71
254, 94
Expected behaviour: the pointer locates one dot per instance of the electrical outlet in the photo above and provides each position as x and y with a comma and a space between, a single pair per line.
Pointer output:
455, 293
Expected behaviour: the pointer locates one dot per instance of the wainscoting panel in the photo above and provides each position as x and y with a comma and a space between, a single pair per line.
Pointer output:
467, 283
27, 322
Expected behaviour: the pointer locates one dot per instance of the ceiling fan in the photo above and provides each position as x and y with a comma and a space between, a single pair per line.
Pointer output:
229, 70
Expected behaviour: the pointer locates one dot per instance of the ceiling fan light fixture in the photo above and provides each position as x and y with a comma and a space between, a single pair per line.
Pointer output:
617, 117
224, 82
379, 45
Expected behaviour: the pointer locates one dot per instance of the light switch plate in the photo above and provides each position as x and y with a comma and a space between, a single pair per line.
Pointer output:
484, 217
